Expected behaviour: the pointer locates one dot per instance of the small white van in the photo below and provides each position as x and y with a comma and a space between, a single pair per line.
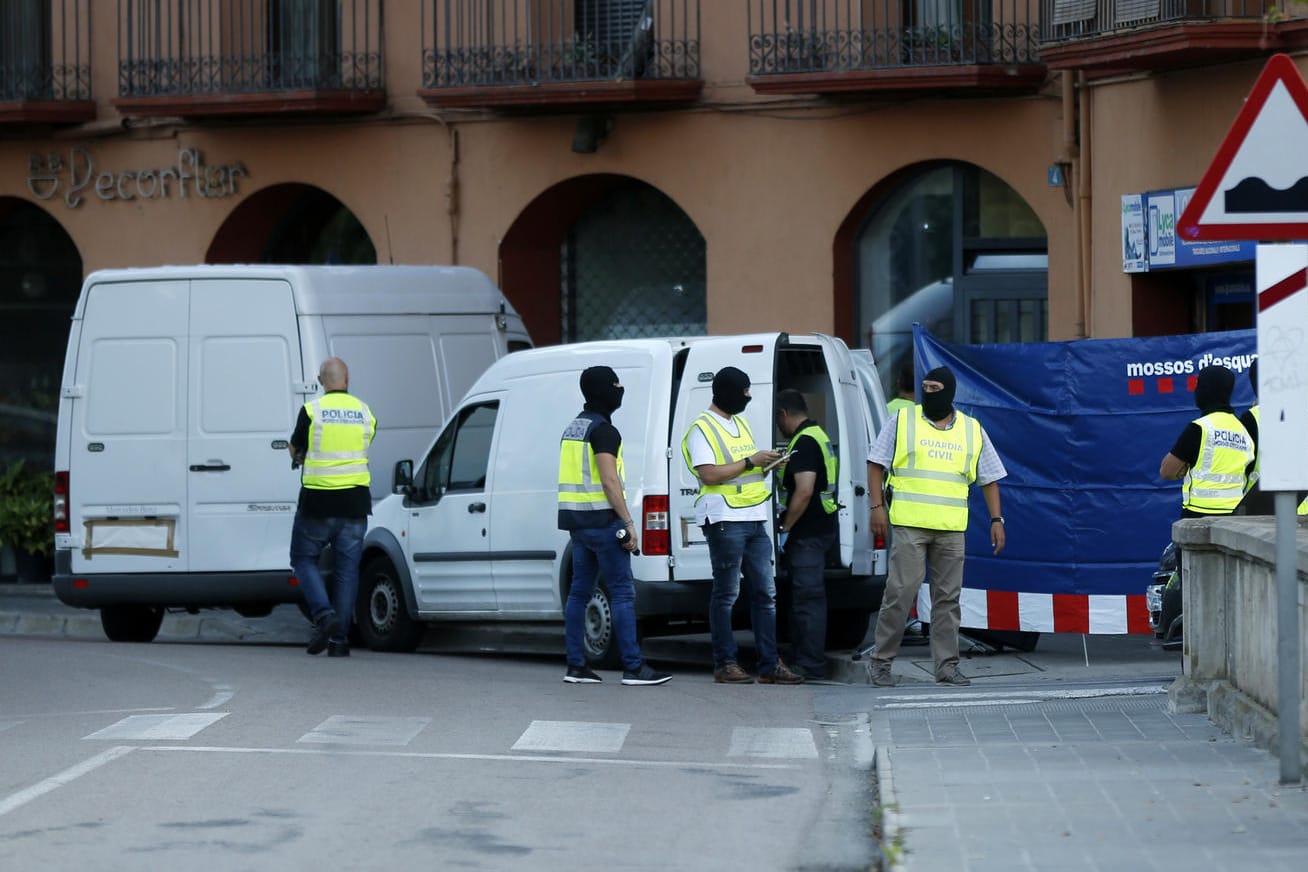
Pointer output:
472, 535
181, 387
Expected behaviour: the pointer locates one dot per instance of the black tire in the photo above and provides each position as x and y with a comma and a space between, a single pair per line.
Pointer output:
846, 628
131, 623
381, 614
598, 638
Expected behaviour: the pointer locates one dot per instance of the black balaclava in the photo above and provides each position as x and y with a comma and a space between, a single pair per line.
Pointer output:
1212, 392
939, 405
599, 385
729, 387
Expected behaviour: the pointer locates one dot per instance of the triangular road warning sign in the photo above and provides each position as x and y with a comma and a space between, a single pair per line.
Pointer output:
1257, 185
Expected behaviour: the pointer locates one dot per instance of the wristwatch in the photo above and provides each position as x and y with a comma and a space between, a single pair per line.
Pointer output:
997, 519
749, 464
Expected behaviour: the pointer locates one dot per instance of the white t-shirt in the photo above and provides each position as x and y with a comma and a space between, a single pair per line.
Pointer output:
711, 508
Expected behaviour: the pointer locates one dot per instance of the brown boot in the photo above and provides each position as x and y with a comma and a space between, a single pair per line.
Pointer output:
781, 675
732, 674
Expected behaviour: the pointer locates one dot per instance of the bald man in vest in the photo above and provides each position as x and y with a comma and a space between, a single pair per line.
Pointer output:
934, 453
734, 509
331, 440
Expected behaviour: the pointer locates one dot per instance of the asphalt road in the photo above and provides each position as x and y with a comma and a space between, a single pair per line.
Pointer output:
256, 756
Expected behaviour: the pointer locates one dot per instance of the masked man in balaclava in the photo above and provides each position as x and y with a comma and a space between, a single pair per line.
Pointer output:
734, 509
593, 509
934, 453
1214, 453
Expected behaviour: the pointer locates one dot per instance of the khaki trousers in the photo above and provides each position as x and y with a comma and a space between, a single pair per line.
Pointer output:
911, 549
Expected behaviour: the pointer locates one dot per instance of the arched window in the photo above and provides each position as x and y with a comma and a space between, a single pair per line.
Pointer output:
40, 278
957, 250
633, 265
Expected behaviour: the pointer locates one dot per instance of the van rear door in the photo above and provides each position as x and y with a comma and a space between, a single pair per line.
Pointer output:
244, 366
855, 431
127, 433
755, 355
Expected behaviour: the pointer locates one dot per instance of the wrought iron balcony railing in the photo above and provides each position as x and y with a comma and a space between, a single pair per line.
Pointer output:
222, 48
788, 37
45, 51
474, 43
1086, 19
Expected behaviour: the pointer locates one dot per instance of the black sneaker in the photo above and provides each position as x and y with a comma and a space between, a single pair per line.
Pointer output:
338, 649
323, 630
645, 675
581, 675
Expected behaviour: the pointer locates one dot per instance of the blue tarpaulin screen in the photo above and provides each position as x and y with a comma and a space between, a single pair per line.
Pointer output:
1081, 427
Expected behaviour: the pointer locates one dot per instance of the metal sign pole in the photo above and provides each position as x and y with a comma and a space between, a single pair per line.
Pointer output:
1287, 639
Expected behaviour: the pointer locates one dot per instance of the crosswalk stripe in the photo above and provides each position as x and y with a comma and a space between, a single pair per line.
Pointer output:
580, 736
157, 727
788, 742
362, 730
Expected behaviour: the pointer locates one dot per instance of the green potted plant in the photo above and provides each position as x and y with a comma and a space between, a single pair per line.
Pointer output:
26, 509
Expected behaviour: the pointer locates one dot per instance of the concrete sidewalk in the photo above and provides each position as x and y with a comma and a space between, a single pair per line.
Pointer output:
1037, 775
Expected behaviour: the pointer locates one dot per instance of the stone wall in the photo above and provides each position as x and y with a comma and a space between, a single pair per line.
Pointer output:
1229, 664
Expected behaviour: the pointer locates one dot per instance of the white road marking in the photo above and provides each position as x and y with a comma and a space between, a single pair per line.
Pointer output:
506, 758
23, 797
157, 727
772, 742
158, 708
351, 730
581, 736
964, 704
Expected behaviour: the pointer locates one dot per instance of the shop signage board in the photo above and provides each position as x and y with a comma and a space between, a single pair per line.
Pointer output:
1150, 241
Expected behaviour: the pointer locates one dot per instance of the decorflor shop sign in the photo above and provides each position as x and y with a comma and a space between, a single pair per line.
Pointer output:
77, 177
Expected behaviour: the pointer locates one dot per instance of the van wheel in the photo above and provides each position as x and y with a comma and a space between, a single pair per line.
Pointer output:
846, 628
381, 615
131, 623
598, 638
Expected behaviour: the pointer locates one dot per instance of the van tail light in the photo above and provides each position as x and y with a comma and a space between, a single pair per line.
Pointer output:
61, 524
878, 542
655, 537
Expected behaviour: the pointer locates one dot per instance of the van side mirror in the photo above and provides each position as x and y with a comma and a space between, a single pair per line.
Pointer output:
402, 479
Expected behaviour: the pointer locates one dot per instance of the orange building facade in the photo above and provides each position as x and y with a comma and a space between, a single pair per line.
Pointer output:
625, 167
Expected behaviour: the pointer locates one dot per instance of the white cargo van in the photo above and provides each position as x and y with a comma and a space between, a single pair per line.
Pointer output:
473, 536
181, 388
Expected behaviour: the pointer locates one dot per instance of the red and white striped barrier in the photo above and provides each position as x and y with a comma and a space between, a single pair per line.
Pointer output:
1095, 614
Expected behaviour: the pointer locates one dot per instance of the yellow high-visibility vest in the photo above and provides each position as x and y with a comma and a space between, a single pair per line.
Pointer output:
932, 471
341, 428
1215, 484
896, 405
747, 489
1253, 476
582, 503
829, 464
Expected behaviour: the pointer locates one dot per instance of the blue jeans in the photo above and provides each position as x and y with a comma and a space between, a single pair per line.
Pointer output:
597, 551
808, 611
735, 546
309, 537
